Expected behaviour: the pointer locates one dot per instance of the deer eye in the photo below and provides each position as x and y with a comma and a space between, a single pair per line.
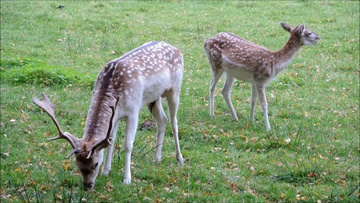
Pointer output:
96, 165
308, 34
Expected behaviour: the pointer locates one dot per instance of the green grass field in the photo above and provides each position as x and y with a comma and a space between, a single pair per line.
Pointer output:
311, 153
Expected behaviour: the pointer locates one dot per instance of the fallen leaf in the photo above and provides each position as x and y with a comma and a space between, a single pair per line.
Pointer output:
320, 156
252, 168
59, 196
254, 139
110, 186
252, 192
312, 175
66, 164
27, 131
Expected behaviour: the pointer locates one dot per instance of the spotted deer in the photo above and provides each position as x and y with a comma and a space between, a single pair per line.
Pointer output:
140, 77
249, 62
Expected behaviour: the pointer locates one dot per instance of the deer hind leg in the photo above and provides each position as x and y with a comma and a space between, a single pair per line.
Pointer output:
173, 104
109, 150
131, 125
254, 96
216, 76
226, 91
157, 111
264, 104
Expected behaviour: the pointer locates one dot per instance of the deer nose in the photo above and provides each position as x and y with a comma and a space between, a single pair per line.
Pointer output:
88, 186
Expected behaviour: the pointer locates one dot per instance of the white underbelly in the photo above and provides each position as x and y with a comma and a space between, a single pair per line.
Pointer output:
243, 75
237, 70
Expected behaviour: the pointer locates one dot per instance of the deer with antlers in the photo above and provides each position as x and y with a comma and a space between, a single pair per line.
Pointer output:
244, 60
140, 77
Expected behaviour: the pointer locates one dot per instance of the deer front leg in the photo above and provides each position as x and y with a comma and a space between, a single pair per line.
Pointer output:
158, 112
226, 91
131, 125
109, 150
264, 104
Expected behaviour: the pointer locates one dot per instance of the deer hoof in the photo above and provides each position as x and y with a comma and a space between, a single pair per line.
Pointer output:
127, 181
180, 160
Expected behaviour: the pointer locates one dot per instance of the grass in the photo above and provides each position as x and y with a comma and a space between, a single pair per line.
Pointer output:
311, 153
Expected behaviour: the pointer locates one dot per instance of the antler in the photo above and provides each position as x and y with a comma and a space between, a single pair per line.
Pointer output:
49, 108
107, 141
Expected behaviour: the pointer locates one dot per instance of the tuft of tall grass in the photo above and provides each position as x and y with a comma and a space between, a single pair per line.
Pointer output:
35, 72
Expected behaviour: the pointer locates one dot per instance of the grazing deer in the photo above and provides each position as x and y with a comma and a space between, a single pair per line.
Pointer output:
140, 77
250, 62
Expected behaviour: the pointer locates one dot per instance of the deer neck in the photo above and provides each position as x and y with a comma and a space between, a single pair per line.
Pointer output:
98, 118
284, 56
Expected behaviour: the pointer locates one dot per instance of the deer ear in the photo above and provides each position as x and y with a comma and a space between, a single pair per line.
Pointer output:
301, 29
285, 26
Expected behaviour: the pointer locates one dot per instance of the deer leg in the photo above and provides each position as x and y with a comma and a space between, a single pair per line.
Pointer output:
131, 125
264, 104
214, 81
254, 96
173, 104
109, 150
226, 91
158, 112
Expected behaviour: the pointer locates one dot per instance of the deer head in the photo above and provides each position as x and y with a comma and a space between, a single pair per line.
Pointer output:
307, 37
88, 155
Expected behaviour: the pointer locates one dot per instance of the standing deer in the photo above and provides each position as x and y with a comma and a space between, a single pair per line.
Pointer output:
253, 63
140, 77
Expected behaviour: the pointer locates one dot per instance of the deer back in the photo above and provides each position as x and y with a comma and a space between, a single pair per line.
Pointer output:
234, 53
